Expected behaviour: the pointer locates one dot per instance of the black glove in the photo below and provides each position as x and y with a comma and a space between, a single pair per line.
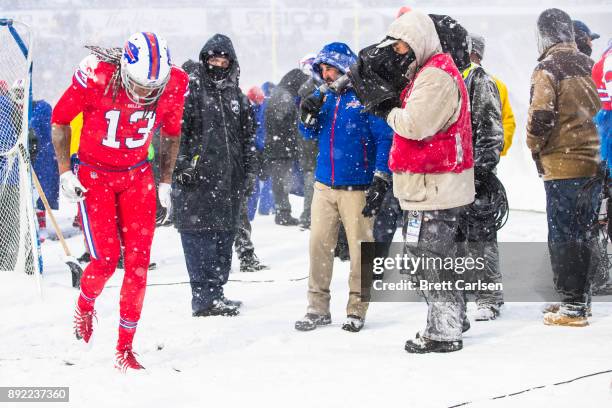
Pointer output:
189, 176
375, 196
383, 109
310, 107
249, 184
160, 216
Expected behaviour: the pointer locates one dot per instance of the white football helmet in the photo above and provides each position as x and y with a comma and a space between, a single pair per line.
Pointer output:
145, 67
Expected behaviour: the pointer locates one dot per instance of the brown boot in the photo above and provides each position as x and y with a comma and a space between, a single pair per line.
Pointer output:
554, 308
558, 319
551, 308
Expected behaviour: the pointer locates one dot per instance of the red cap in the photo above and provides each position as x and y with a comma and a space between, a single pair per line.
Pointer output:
255, 95
403, 10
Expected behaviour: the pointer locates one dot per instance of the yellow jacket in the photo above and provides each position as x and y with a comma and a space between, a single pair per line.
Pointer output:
507, 115
508, 121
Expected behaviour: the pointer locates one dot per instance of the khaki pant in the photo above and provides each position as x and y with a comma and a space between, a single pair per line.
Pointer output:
329, 207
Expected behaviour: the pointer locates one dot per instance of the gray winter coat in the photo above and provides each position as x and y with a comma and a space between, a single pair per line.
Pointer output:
281, 118
487, 126
308, 149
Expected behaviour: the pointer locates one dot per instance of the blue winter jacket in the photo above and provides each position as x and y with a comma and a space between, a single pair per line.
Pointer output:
352, 143
45, 164
260, 134
603, 120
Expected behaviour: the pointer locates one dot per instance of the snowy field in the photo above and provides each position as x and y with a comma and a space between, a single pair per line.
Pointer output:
258, 359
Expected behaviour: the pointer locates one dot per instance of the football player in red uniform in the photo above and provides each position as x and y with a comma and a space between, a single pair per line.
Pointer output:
124, 94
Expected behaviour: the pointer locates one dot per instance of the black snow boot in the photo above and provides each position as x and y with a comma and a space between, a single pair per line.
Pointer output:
422, 345
218, 308
353, 323
311, 321
233, 303
250, 263
286, 220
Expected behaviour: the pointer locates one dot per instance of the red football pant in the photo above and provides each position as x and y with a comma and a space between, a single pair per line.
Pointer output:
119, 207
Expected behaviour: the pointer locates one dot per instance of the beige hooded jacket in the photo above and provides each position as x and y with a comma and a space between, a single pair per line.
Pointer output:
433, 106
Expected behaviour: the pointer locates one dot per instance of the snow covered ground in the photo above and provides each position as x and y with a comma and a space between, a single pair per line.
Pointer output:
258, 359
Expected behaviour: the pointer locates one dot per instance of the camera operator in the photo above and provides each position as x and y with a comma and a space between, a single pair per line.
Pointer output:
431, 157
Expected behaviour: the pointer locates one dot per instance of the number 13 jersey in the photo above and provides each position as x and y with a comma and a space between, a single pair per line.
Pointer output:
116, 131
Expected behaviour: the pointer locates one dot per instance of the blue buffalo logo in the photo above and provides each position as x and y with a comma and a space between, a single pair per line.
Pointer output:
130, 52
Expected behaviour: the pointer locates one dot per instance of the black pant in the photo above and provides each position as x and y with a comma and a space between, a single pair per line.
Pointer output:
438, 237
281, 172
481, 237
387, 220
208, 255
569, 238
242, 243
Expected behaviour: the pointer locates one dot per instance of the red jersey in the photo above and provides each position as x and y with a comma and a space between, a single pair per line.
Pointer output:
602, 75
117, 134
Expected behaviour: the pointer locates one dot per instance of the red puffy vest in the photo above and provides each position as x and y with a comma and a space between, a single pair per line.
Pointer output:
446, 151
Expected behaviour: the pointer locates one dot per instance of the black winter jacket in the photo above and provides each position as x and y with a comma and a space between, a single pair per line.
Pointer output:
487, 127
218, 126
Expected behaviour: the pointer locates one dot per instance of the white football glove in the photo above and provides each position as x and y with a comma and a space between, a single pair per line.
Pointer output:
164, 191
72, 188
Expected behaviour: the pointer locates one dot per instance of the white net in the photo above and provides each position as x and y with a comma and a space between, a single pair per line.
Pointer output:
19, 250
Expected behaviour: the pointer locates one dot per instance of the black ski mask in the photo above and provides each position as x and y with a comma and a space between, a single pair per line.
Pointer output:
218, 73
583, 45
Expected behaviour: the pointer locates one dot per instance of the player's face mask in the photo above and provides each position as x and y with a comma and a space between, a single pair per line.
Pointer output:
142, 94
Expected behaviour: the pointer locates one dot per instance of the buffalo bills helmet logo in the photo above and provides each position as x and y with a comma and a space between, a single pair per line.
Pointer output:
130, 51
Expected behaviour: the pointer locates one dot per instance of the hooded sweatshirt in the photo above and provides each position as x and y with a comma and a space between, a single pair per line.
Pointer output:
433, 106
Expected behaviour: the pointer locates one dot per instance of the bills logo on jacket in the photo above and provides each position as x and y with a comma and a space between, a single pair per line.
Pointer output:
354, 104
130, 51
